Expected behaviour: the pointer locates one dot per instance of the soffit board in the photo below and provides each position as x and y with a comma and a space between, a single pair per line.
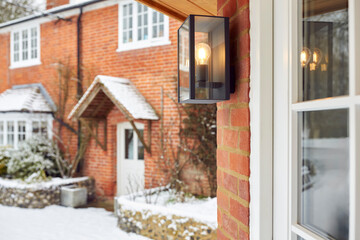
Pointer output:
181, 9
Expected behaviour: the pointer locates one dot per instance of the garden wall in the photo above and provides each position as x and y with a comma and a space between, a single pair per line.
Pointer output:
14, 193
158, 222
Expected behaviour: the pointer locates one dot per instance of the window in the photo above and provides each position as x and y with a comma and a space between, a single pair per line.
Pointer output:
17, 127
134, 149
1, 133
10, 133
21, 131
25, 47
141, 27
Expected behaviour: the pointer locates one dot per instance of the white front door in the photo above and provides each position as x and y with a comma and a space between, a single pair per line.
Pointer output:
130, 159
316, 120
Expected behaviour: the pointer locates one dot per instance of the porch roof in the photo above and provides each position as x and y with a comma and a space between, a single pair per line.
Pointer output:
180, 10
105, 92
26, 98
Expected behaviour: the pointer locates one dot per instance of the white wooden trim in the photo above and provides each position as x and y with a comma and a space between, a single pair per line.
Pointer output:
281, 121
261, 119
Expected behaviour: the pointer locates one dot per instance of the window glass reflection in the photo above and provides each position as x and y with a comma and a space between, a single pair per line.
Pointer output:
324, 49
324, 173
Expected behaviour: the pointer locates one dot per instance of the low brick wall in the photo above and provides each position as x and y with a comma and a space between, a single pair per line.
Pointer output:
160, 226
33, 196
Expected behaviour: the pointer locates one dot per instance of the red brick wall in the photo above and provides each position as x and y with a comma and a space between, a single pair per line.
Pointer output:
149, 69
55, 3
234, 130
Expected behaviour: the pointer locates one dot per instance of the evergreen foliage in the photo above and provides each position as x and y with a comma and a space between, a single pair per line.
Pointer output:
34, 160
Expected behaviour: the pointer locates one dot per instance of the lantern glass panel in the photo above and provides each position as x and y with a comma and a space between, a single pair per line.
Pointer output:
183, 61
210, 58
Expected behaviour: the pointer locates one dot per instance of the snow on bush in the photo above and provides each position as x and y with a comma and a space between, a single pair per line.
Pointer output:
34, 160
4, 158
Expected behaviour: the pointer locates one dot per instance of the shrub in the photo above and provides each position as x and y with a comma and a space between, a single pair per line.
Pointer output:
34, 160
4, 158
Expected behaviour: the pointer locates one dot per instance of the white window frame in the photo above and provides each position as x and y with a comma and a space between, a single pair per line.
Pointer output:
135, 44
29, 62
261, 119
286, 112
28, 118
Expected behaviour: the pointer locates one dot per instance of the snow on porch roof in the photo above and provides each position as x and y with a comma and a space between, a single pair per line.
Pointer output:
107, 91
26, 98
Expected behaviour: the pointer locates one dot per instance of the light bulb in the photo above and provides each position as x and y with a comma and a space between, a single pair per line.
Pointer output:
202, 53
305, 56
317, 56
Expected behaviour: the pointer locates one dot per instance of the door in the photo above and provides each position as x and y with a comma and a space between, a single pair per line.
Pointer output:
130, 159
316, 119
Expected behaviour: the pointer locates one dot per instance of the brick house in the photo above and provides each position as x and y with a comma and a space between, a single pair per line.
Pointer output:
116, 42
287, 138
287, 153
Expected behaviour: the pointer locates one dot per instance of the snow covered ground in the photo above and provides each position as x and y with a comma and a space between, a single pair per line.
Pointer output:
60, 223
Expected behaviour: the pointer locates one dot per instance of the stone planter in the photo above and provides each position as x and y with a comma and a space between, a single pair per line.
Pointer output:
73, 196
15, 194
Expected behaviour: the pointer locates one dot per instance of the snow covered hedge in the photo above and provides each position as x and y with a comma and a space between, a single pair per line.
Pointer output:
165, 218
35, 160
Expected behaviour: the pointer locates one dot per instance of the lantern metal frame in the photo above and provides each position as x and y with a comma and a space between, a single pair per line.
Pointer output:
229, 83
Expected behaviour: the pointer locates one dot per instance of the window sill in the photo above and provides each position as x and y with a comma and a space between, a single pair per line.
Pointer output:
25, 64
141, 45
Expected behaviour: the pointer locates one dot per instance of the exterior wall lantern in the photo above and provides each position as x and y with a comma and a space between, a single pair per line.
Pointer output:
204, 60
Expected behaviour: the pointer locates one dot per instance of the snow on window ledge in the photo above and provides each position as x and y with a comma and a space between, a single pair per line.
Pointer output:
140, 45
25, 64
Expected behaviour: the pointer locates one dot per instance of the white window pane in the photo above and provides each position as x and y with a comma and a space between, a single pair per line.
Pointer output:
25, 50
16, 46
35, 127
130, 22
129, 144
324, 172
44, 129
146, 33
139, 34
139, 21
1, 133
154, 32
10, 133
125, 7
145, 19
124, 37
154, 17
130, 9
324, 59
125, 21
21, 131
130, 36
34, 43
139, 8
161, 17
161, 31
